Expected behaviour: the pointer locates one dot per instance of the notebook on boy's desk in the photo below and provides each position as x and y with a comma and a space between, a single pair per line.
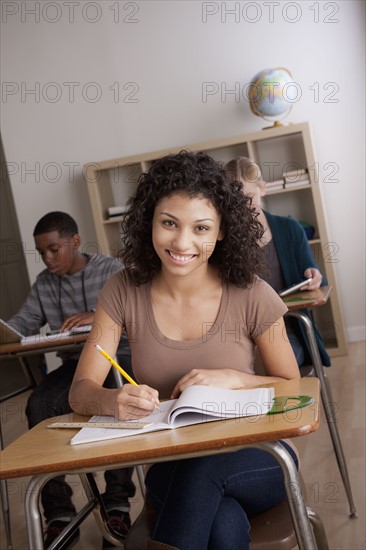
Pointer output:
9, 335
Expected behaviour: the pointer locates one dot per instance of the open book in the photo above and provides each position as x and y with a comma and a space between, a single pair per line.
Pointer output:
9, 335
196, 404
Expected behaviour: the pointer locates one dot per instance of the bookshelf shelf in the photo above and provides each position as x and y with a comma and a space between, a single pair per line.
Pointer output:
115, 219
291, 189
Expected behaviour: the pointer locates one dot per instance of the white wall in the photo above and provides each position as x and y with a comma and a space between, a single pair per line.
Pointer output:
164, 51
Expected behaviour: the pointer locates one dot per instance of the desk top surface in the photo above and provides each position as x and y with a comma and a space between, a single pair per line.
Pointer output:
41, 450
308, 298
44, 344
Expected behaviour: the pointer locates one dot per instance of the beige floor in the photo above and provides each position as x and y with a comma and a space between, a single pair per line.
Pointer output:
325, 492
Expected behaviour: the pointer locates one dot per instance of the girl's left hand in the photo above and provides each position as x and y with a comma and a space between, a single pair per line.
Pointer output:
220, 378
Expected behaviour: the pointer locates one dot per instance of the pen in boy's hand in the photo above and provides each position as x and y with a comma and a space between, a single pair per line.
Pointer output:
119, 368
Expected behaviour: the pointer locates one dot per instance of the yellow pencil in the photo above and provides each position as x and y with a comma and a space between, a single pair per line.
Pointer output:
116, 365
120, 369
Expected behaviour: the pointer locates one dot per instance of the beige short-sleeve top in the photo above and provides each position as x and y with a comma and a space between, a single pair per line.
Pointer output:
244, 314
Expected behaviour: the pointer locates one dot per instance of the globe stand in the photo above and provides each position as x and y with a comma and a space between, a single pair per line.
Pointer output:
276, 124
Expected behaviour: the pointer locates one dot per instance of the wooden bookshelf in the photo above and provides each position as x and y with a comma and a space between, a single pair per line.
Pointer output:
111, 183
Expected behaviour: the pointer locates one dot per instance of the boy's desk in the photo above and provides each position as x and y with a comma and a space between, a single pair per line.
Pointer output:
21, 350
43, 453
44, 345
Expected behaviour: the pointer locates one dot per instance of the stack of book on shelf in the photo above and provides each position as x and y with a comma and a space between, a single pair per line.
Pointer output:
116, 211
297, 177
275, 185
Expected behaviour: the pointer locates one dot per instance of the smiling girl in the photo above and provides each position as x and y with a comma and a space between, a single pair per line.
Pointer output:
195, 312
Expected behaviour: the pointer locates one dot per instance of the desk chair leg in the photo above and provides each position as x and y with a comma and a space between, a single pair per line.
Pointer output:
93, 495
117, 377
5, 503
33, 516
140, 470
295, 497
318, 528
6, 513
34, 521
32, 513
28, 372
328, 406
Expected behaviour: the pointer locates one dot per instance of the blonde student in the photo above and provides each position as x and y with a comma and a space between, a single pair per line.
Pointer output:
195, 312
286, 254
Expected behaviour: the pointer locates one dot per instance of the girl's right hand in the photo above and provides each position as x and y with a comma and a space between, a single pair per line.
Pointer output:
132, 402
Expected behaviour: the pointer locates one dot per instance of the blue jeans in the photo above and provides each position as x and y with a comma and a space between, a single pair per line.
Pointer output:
293, 337
49, 399
206, 502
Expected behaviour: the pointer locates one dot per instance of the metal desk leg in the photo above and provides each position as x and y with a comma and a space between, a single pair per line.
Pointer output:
302, 526
101, 516
32, 514
6, 513
5, 503
28, 372
318, 527
140, 470
327, 403
94, 503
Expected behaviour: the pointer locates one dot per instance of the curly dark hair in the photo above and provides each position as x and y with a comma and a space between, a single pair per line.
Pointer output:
237, 256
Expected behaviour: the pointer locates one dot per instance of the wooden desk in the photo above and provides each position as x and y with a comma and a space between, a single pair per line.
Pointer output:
42, 453
44, 345
308, 298
295, 303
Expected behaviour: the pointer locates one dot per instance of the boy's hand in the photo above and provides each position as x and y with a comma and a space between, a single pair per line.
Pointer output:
78, 320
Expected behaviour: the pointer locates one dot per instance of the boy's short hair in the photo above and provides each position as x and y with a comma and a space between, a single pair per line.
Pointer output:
56, 221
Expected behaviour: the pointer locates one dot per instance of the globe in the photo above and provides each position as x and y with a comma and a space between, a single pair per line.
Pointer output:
267, 94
